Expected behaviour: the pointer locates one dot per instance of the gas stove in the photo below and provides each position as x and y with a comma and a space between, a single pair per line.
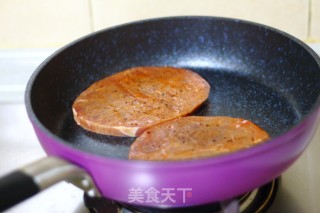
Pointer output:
298, 190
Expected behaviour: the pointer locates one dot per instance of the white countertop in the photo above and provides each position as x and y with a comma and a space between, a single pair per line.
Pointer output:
19, 146
299, 189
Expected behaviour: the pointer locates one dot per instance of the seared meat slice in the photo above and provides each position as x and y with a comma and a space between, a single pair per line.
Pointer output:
194, 137
127, 103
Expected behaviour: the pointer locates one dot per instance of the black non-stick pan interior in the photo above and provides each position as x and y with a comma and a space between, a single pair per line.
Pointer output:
254, 72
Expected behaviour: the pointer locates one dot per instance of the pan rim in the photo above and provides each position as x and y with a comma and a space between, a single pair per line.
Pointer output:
271, 144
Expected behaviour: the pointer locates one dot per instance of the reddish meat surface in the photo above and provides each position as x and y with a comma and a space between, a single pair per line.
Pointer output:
194, 137
127, 103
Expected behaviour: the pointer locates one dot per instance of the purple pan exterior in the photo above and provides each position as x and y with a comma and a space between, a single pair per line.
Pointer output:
192, 182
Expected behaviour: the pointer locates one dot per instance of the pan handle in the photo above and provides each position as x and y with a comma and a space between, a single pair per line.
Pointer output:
35, 177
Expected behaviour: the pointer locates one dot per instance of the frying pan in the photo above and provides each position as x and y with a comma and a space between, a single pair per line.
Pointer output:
255, 72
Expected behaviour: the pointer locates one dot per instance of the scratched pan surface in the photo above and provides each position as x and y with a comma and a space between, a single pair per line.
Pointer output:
255, 72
